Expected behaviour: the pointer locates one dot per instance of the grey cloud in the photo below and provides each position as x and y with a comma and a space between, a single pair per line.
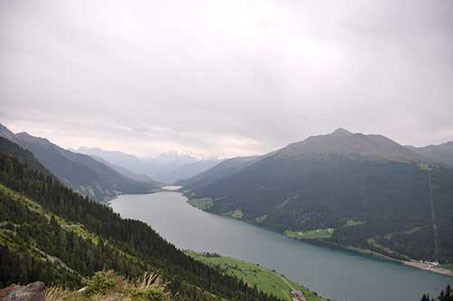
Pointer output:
225, 77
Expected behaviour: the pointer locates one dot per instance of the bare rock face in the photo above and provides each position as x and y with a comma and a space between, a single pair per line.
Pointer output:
31, 292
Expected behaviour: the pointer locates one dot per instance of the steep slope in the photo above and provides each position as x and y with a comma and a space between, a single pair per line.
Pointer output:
49, 233
22, 155
80, 172
370, 191
7, 134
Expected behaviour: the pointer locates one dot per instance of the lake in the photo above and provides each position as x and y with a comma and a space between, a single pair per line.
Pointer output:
336, 274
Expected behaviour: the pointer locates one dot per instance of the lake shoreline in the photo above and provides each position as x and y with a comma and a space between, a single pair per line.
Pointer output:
334, 272
365, 252
370, 253
428, 267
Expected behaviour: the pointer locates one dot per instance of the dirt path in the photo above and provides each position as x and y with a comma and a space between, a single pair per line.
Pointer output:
433, 217
292, 288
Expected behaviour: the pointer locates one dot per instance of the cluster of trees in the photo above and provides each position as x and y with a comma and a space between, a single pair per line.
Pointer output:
127, 246
37, 241
444, 295
23, 266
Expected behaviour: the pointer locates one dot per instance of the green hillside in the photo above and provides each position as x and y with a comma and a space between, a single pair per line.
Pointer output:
255, 275
51, 234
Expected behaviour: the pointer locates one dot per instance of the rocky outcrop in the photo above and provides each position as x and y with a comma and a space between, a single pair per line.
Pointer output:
31, 292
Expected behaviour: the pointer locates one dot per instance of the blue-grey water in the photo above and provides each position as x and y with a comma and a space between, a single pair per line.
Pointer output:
336, 274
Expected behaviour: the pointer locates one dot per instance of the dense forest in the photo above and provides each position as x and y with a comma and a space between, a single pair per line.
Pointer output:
390, 201
373, 192
50, 233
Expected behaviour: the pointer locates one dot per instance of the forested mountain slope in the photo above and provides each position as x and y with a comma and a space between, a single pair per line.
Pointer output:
365, 191
78, 171
7, 148
49, 233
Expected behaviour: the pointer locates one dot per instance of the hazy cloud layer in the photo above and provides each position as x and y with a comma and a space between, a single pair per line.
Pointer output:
225, 77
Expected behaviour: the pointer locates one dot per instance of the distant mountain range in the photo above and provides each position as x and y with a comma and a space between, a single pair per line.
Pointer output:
80, 172
167, 167
124, 171
362, 191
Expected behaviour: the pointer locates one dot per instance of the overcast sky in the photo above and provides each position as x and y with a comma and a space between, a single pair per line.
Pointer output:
224, 78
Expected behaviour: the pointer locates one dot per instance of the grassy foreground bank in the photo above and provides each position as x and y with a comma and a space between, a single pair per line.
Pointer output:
265, 280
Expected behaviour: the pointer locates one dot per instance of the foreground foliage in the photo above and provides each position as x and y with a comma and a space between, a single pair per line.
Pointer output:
107, 285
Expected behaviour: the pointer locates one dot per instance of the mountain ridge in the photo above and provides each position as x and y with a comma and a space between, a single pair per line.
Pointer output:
79, 171
442, 153
342, 141
166, 167
330, 181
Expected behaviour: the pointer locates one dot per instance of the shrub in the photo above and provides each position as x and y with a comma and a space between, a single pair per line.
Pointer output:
101, 283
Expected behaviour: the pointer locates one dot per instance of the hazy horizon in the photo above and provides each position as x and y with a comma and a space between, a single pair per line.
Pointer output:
224, 79
166, 155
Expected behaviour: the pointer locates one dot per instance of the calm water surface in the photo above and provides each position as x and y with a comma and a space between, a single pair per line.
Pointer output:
339, 275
